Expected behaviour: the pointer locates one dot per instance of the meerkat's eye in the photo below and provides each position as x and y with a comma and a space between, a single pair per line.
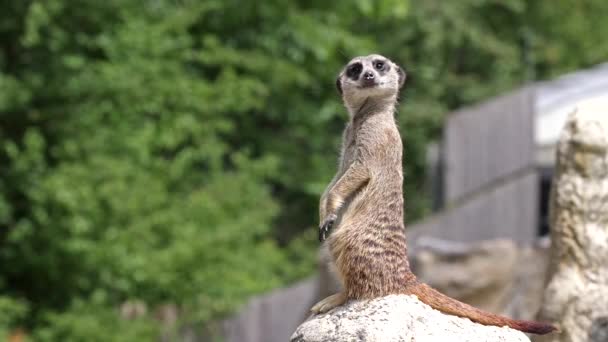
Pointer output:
379, 65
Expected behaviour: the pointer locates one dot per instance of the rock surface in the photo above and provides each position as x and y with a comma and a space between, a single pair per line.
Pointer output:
468, 272
397, 318
576, 297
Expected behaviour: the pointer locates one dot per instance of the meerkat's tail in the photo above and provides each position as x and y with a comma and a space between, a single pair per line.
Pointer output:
445, 304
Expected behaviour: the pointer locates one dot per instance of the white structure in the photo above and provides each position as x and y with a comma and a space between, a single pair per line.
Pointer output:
556, 99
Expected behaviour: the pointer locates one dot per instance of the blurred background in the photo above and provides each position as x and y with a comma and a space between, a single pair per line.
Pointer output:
161, 160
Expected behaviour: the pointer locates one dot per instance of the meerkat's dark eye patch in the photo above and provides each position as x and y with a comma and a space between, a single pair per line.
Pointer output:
354, 70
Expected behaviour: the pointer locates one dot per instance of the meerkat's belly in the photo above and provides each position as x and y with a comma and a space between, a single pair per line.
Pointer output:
368, 268
368, 246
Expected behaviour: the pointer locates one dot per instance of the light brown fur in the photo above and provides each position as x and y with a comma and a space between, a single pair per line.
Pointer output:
363, 204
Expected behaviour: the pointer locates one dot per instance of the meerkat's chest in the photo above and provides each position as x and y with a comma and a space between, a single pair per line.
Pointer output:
349, 155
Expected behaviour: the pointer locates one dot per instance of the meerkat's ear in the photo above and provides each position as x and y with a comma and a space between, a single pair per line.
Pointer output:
402, 76
339, 85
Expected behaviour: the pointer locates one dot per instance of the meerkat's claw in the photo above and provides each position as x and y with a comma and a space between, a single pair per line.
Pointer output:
329, 303
322, 233
326, 226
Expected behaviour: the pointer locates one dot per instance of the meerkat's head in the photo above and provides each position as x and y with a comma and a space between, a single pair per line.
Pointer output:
372, 76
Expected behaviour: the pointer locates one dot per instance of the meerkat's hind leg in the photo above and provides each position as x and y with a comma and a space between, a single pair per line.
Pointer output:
329, 303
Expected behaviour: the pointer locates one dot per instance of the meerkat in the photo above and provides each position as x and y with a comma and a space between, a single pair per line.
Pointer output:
363, 204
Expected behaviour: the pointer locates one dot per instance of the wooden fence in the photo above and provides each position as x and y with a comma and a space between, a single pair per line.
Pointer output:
487, 142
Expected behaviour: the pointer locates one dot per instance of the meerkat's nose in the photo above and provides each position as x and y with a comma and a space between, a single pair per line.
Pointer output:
368, 75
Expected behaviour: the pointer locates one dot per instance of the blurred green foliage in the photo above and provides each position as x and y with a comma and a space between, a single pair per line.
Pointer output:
173, 151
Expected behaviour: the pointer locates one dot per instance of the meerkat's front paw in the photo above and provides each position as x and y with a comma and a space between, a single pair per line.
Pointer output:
326, 226
329, 303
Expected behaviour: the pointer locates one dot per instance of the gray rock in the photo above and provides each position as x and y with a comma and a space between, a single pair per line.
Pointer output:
468, 272
397, 318
576, 297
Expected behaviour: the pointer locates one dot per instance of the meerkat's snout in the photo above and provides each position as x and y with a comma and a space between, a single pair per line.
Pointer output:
368, 79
